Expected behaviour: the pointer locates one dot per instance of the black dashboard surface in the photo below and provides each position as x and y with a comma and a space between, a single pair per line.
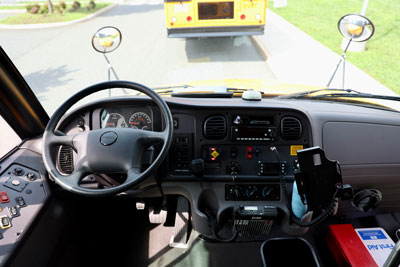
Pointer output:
345, 131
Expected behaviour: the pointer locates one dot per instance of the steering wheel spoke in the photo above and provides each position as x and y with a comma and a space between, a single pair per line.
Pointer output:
156, 137
54, 140
133, 174
71, 181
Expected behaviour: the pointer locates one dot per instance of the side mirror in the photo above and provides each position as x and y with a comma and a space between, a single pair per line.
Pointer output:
107, 39
356, 28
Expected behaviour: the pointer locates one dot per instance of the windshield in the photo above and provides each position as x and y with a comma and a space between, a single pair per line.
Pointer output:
278, 47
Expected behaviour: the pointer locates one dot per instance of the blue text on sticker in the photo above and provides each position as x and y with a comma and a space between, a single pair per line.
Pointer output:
372, 234
380, 246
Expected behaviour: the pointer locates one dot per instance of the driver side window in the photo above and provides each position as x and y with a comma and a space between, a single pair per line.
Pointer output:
8, 138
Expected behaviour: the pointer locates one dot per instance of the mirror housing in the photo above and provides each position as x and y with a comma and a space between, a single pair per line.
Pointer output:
106, 39
356, 28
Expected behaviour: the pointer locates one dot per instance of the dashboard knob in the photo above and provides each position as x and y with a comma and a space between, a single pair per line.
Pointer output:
252, 192
266, 191
18, 171
31, 176
233, 168
237, 193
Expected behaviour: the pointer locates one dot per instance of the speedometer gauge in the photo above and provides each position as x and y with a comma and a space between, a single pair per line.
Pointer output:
115, 120
140, 120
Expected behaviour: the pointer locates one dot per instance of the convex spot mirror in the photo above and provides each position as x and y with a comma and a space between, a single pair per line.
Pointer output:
107, 39
356, 27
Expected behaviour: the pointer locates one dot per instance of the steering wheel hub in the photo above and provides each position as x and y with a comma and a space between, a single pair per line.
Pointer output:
108, 138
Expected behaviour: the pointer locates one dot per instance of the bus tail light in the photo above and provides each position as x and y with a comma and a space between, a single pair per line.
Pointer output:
189, 18
243, 17
173, 19
258, 17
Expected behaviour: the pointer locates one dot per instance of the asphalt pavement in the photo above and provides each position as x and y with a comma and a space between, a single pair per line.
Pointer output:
57, 62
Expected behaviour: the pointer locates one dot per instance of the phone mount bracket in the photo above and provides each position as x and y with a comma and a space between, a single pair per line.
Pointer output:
319, 180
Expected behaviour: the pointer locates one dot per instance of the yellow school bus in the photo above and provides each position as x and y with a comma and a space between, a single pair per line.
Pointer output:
214, 18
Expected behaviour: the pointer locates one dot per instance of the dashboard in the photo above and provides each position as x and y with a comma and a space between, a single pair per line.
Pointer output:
222, 155
222, 151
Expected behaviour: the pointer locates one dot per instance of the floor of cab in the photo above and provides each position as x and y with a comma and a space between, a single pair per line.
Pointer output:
111, 232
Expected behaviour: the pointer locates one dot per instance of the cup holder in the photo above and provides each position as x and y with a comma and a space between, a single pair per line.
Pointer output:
288, 252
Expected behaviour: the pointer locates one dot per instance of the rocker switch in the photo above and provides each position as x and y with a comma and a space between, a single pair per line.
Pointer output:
4, 197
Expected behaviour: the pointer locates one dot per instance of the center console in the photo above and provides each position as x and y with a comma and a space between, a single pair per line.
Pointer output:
231, 166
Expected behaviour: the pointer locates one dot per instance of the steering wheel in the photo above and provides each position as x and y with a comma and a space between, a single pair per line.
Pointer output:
108, 150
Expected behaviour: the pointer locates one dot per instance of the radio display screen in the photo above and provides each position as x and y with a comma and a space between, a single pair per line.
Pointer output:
251, 132
271, 168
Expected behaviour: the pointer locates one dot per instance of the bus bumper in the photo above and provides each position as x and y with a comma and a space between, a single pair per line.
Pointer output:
215, 31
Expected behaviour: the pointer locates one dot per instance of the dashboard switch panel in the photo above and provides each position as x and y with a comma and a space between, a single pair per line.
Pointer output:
252, 192
181, 154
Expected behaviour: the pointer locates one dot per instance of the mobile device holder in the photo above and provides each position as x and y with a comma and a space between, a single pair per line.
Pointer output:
319, 184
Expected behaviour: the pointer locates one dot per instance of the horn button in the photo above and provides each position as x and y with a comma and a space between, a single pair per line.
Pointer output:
113, 151
108, 138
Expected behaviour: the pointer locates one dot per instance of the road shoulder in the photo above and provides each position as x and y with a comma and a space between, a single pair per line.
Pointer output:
57, 24
295, 57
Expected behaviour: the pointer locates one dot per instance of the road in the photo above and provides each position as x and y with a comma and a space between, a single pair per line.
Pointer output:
57, 62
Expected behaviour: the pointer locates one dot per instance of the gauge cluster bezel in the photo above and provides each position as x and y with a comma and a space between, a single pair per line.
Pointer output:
127, 113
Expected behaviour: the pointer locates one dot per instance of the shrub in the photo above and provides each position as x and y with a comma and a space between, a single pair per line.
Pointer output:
62, 4
58, 8
76, 5
91, 5
28, 7
33, 8
44, 9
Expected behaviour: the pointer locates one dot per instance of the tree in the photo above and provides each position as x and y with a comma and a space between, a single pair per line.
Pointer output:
50, 6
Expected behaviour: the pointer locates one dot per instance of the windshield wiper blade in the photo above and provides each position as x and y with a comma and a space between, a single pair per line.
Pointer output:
171, 87
307, 94
359, 95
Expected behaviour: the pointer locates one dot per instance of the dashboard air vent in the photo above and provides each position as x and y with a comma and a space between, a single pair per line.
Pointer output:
291, 128
215, 127
66, 160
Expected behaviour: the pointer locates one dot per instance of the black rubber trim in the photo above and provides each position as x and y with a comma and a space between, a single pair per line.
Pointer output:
215, 31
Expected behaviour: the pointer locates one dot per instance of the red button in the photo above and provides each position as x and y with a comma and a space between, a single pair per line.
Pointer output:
249, 152
4, 197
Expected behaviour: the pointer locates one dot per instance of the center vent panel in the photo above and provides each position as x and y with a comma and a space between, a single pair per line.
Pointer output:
66, 160
291, 128
215, 127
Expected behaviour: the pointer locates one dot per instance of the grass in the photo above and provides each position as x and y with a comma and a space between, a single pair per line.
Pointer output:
11, 7
319, 19
56, 1
27, 18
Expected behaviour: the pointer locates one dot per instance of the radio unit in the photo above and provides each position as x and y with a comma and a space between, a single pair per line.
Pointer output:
253, 133
253, 128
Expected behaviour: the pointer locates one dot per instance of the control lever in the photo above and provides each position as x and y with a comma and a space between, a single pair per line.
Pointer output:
197, 167
233, 169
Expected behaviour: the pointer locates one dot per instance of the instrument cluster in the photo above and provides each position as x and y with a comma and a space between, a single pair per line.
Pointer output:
127, 117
